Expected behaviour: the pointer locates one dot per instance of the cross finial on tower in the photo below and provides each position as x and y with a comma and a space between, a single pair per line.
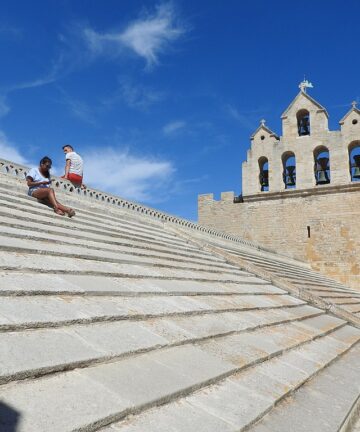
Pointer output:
354, 103
304, 85
262, 122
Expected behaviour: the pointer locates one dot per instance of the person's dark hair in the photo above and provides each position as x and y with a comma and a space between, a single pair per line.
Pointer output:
44, 160
68, 145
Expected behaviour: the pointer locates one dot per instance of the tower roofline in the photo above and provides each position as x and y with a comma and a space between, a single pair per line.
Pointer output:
266, 129
354, 108
302, 93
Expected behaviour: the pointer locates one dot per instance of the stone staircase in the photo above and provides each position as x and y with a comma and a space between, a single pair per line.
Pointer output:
295, 276
118, 321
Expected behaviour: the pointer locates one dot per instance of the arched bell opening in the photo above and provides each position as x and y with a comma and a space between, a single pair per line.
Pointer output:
289, 170
303, 122
322, 165
354, 161
264, 174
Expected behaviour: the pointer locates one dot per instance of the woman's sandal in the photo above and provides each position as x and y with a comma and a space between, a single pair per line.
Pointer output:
71, 213
59, 212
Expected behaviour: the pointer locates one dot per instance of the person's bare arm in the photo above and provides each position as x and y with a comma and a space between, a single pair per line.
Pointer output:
30, 182
67, 168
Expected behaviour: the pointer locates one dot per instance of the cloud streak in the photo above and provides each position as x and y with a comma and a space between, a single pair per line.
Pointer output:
133, 177
173, 127
9, 151
147, 37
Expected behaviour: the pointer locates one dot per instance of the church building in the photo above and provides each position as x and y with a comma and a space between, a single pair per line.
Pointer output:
300, 191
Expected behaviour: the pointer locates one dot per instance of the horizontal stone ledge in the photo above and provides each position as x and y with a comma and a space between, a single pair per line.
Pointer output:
136, 317
101, 359
302, 193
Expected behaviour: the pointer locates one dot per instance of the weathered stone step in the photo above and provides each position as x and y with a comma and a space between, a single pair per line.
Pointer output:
30, 247
356, 425
336, 293
85, 399
322, 404
46, 215
352, 308
258, 252
54, 311
235, 403
293, 274
103, 219
37, 232
27, 354
52, 284
286, 269
96, 212
23, 264
18, 240
24, 222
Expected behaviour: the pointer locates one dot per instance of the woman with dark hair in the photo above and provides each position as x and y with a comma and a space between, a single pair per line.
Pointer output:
38, 180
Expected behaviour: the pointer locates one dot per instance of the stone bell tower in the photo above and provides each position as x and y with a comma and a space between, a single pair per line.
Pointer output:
300, 190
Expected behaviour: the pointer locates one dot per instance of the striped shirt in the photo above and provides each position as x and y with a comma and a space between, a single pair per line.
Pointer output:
76, 163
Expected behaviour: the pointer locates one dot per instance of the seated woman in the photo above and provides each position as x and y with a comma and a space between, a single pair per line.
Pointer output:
38, 180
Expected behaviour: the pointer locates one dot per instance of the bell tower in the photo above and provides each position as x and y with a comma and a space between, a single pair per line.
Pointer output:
299, 190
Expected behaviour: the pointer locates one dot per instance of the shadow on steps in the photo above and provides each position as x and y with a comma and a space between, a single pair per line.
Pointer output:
9, 418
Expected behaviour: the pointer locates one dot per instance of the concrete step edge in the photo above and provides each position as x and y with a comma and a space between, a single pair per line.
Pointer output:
39, 372
135, 317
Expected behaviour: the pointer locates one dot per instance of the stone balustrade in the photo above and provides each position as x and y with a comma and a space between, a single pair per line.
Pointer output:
20, 171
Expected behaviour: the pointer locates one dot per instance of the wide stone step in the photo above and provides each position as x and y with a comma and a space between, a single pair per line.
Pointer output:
322, 404
23, 243
27, 354
49, 284
37, 232
87, 398
26, 223
26, 260
54, 311
235, 403
286, 269
44, 214
96, 213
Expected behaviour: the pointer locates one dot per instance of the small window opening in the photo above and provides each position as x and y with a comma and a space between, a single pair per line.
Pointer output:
308, 231
303, 122
262, 137
289, 170
322, 166
354, 161
354, 121
264, 174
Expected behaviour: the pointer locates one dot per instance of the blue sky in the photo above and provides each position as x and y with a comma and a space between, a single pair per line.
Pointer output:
160, 98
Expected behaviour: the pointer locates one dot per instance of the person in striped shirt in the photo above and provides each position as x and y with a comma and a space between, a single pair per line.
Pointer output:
73, 167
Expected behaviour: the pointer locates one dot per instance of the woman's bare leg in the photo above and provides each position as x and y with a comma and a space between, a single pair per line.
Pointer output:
47, 195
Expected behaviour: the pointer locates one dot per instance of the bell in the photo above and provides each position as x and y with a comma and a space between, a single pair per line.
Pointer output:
290, 177
356, 166
322, 177
322, 166
264, 178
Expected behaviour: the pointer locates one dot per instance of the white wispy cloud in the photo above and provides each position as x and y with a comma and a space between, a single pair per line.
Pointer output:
147, 37
134, 177
78, 108
10, 32
241, 118
137, 95
9, 151
173, 127
5, 92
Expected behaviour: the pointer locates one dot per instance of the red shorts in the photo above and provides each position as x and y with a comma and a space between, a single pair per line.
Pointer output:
74, 178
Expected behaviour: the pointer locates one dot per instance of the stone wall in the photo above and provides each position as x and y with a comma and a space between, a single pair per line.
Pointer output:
279, 221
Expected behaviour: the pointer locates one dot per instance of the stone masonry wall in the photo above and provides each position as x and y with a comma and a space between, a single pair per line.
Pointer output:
279, 221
